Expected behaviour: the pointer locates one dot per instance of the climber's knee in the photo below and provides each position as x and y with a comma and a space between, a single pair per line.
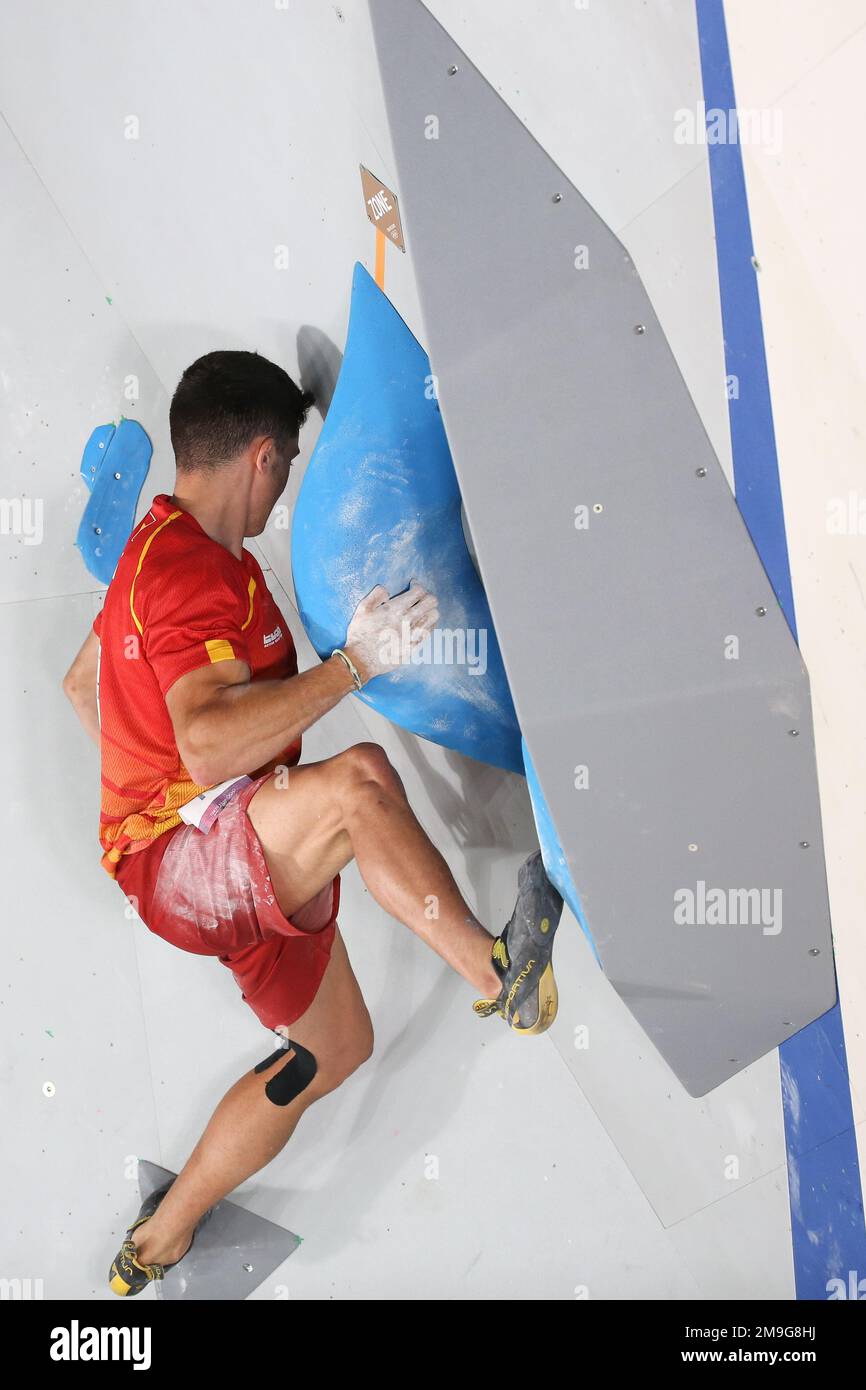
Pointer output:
288, 1083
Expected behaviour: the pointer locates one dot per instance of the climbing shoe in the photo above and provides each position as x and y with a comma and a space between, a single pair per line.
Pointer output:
522, 955
129, 1275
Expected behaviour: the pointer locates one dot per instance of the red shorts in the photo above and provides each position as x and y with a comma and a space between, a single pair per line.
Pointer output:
212, 894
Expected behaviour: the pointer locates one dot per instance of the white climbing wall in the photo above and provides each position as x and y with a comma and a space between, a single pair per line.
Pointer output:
125, 258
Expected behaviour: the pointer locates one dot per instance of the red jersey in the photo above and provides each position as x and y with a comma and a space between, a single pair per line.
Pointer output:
178, 600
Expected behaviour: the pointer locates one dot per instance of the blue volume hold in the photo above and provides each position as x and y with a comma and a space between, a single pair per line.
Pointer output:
380, 504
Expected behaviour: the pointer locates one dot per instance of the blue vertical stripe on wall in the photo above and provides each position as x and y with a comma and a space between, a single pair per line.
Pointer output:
828, 1233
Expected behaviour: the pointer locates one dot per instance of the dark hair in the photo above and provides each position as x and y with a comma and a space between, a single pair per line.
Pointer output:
224, 400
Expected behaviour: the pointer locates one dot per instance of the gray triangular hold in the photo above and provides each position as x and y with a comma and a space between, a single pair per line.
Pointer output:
234, 1250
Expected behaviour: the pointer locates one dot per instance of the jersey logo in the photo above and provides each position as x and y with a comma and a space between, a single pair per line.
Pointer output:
271, 637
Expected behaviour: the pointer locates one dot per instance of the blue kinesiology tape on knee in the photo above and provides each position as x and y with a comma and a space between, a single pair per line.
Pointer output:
293, 1078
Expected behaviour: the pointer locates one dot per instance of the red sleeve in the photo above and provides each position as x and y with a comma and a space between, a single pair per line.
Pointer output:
97, 624
193, 615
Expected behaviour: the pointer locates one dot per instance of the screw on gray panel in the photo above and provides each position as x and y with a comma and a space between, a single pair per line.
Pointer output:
701, 472
248, 1268
557, 197
640, 328
786, 1023
813, 951
794, 733
693, 849
597, 507
452, 70
761, 612
804, 844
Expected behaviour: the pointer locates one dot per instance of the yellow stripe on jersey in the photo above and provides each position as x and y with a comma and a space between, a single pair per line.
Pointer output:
144, 549
252, 590
220, 650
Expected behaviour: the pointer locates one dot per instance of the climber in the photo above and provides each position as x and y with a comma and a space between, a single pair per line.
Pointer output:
223, 842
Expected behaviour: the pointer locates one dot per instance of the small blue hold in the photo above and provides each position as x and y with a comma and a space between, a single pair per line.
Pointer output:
114, 466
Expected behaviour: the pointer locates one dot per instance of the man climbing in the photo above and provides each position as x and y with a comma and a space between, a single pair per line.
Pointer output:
224, 845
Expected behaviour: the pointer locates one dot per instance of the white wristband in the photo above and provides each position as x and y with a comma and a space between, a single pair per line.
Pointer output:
338, 651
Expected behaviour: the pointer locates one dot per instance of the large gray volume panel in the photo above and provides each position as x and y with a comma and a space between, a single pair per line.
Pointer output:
646, 646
